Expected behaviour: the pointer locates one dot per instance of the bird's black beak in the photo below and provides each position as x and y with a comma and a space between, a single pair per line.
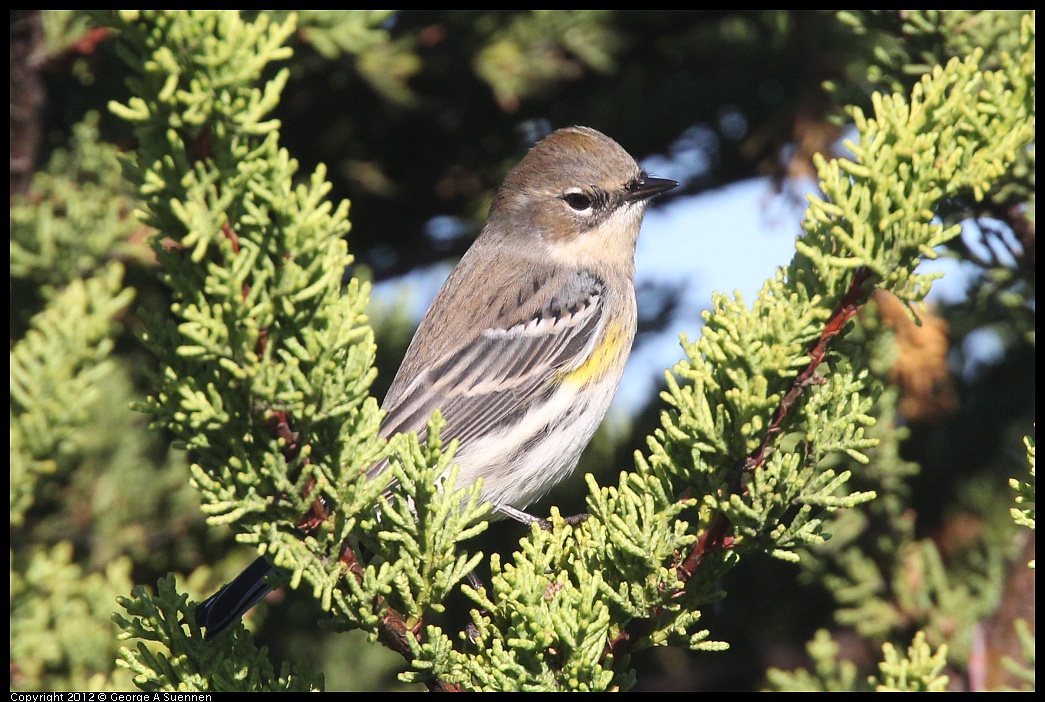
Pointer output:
645, 186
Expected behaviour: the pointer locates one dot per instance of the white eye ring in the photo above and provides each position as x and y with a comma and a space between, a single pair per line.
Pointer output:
577, 199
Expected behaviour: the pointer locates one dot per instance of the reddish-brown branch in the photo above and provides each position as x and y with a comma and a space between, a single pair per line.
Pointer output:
393, 631
88, 43
847, 307
717, 539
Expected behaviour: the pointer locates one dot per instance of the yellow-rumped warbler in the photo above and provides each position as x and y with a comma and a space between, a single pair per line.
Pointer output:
524, 346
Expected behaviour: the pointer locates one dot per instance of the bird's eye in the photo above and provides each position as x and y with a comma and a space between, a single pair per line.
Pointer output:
578, 201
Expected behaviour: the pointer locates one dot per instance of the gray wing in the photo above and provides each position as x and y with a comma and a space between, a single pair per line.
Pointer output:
495, 375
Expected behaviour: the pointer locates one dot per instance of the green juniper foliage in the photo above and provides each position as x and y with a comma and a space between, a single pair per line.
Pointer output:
57, 370
1024, 512
885, 580
63, 242
60, 633
266, 373
191, 663
81, 216
255, 267
920, 671
829, 673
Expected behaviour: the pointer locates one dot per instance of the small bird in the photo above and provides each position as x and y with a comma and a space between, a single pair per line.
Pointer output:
525, 344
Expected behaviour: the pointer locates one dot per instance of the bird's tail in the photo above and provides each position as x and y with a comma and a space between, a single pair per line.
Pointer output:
222, 609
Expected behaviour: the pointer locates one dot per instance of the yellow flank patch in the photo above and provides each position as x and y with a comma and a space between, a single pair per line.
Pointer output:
605, 358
